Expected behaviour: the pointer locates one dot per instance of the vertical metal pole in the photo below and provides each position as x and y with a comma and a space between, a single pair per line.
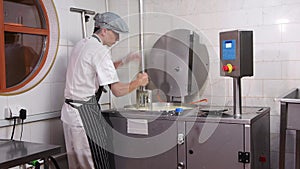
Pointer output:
106, 5
282, 140
83, 24
109, 94
83, 13
237, 97
142, 34
143, 96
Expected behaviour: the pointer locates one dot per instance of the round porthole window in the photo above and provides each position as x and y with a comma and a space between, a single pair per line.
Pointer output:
29, 40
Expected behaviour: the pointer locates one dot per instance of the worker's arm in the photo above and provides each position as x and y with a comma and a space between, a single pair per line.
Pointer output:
130, 57
121, 89
118, 63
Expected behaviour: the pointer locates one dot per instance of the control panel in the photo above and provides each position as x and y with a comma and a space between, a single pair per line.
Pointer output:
236, 53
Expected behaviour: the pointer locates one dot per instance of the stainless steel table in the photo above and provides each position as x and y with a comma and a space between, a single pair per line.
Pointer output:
289, 120
14, 153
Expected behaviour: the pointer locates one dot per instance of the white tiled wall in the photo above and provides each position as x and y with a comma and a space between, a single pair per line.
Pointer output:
276, 25
276, 46
49, 131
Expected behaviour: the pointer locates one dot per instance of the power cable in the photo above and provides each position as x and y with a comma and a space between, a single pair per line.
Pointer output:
13, 131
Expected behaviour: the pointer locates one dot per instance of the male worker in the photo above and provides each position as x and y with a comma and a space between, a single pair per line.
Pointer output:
89, 67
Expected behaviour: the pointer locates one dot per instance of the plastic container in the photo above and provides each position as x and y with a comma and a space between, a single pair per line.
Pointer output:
178, 110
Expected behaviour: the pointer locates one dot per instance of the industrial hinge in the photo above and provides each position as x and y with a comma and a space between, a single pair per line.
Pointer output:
180, 139
244, 157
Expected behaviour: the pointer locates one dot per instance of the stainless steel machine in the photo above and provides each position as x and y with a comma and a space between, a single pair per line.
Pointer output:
236, 55
178, 65
174, 134
169, 141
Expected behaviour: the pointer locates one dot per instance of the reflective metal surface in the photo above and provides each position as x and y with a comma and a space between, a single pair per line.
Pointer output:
178, 63
143, 97
210, 134
15, 153
289, 120
160, 106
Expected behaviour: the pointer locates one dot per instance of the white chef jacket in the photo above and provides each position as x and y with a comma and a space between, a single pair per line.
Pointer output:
89, 66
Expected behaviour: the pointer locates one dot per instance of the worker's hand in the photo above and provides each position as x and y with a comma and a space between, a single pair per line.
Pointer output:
133, 56
142, 79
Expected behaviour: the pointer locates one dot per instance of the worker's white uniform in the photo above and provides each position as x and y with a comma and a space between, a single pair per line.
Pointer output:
89, 66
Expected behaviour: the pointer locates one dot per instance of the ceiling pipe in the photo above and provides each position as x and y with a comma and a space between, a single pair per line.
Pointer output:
84, 17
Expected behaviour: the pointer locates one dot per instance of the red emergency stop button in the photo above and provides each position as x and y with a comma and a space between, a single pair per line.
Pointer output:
262, 159
228, 68
225, 68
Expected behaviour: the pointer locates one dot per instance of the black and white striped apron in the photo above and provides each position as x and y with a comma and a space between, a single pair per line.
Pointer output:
96, 131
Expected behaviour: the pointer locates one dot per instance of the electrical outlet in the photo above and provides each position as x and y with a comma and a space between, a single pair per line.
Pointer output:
15, 111
12, 112
7, 113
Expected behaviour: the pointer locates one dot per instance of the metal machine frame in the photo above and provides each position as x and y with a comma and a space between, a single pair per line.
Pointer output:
235, 143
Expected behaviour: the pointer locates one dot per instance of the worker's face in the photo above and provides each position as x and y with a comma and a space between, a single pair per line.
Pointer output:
111, 37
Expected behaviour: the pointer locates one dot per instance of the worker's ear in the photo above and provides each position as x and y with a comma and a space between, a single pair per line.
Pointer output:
104, 31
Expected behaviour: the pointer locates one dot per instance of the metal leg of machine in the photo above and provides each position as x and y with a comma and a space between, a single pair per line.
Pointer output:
283, 123
297, 149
